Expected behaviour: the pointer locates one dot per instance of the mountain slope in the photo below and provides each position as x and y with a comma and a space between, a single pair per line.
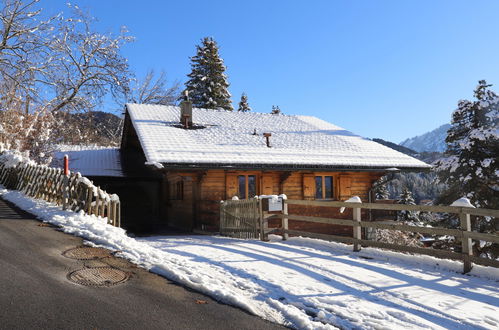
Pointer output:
431, 141
400, 148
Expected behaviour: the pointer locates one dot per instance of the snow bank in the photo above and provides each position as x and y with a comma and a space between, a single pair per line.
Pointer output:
303, 283
13, 158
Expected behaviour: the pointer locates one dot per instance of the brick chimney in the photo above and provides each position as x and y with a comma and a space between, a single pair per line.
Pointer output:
186, 111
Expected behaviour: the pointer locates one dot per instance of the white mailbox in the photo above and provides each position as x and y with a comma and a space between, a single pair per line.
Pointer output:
272, 203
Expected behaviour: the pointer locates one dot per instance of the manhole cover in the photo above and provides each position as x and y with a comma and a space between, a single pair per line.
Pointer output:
100, 276
87, 253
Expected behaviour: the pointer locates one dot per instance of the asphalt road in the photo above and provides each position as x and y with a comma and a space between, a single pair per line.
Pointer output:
35, 291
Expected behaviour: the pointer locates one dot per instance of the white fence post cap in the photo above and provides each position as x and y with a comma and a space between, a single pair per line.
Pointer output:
353, 199
463, 202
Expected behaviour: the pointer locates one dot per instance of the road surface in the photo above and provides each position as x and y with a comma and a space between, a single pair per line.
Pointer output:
36, 293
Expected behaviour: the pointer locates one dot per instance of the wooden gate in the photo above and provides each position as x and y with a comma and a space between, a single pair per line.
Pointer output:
240, 218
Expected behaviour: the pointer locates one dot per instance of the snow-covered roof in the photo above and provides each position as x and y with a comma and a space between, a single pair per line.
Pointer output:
90, 160
228, 139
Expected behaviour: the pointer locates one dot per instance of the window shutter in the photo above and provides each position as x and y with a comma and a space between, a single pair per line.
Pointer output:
231, 186
345, 187
308, 186
267, 183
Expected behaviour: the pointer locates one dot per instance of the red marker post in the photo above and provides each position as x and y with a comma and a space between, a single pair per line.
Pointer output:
66, 165
65, 186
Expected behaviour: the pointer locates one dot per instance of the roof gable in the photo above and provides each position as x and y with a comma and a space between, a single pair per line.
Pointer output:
228, 139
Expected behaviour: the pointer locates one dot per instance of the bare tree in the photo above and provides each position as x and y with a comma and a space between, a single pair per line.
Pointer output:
62, 63
84, 65
154, 90
22, 50
50, 68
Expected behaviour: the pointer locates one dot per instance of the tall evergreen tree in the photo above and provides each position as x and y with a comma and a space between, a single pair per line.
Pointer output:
471, 166
243, 104
208, 84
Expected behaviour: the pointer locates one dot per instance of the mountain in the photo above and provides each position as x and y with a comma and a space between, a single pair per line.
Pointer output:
106, 126
428, 157
96, 127
422, 184
431, 141
399, 148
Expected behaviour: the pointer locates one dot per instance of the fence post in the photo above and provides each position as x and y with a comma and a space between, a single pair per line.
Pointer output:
285, 225
118, 213
357, 233
467, 248
65, 183
260, 210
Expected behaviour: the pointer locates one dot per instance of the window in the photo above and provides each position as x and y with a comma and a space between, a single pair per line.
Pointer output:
323, 187
177, 190
247, 186
180, 190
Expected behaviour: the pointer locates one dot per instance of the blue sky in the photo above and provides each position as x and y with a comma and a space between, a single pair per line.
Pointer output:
388, 69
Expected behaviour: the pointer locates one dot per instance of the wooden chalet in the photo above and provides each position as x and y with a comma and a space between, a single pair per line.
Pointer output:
204, 156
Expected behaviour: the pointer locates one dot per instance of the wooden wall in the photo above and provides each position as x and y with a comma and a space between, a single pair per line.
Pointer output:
180, 211
203, 191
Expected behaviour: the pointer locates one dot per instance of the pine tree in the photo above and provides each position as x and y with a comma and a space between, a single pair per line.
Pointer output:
407, 199
208, 84
381, 192
243, 104
471, 166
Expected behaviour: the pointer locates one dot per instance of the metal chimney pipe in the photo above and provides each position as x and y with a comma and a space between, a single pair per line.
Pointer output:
267, 138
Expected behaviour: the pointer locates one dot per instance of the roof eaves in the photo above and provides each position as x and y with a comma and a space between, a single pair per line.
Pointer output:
289, 167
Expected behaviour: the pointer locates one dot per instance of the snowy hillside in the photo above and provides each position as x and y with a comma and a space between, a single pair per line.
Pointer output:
431, 141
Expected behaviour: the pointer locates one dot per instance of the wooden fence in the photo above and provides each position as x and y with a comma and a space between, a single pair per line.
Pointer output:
463, 234
239, 218
72, 192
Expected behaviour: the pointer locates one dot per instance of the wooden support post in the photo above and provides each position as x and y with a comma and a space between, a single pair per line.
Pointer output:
357, 233
467, 247
285, 225
65, 192
260, 211
90, 197
65, 185
113, 213
118, 214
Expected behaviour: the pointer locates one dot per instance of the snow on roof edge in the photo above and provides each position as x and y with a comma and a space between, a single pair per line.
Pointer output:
395, 159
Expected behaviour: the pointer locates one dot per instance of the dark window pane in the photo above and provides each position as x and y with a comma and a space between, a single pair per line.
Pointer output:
251, 186
318, 187
328, 181
242, 186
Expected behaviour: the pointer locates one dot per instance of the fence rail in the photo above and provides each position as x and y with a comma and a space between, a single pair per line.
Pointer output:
73, 192
463, 234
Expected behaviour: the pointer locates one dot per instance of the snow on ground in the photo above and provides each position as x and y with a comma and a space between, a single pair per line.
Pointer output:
303, 283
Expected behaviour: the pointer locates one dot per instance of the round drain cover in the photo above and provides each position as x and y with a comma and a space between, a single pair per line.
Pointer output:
99, 276
87, 253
